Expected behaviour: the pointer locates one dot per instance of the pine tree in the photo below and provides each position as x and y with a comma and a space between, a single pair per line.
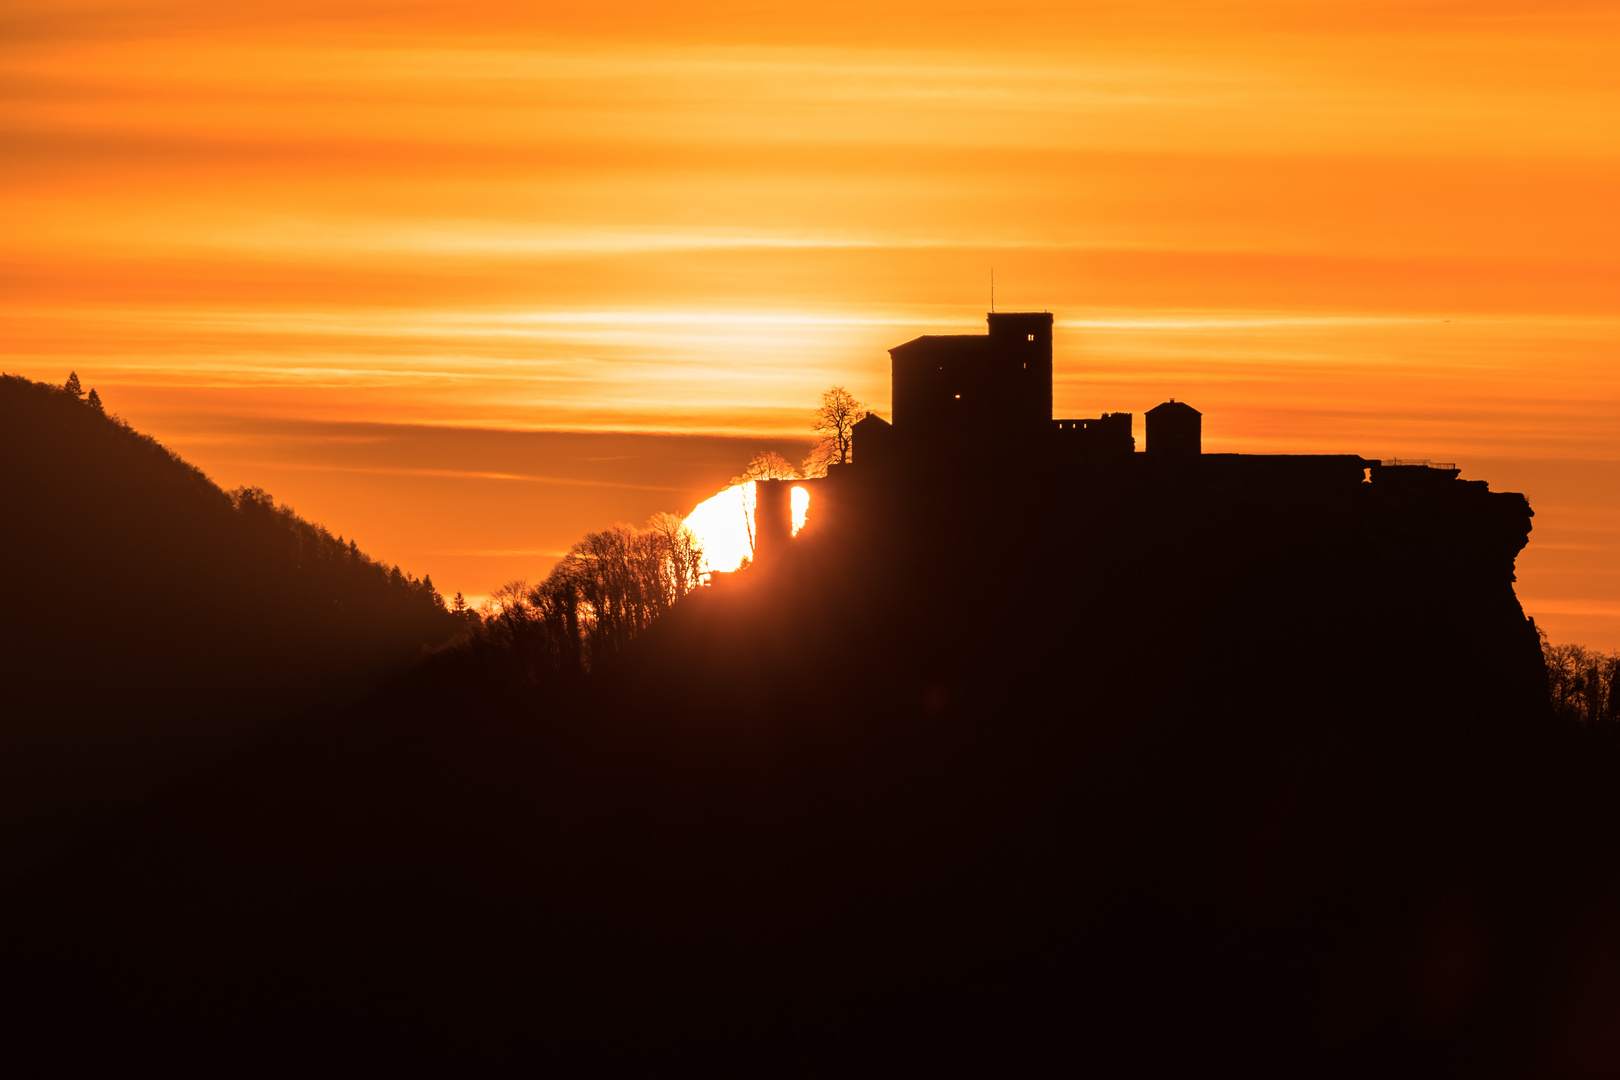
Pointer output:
95, 400
432, 593
73, 384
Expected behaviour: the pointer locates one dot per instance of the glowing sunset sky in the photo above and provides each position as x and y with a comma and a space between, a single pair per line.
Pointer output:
358, 253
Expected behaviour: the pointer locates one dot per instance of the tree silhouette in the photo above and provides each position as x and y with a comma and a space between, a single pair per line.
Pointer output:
72, 385
834, 421
766, 465
611, 586
95, 400
1583, 685
681, 553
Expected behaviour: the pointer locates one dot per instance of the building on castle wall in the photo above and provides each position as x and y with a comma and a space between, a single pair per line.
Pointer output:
875, 436
1175, 429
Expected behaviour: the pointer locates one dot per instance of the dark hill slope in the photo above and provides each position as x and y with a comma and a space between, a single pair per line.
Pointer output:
150, 617
1153, 774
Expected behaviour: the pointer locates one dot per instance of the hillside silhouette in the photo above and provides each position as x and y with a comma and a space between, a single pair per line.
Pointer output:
152, 618
1043, 755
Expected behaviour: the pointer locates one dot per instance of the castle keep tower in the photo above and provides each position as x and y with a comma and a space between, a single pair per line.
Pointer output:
979, 394
1026, 340
966, 392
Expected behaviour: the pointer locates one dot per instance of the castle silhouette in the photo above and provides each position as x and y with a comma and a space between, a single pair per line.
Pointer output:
966, 401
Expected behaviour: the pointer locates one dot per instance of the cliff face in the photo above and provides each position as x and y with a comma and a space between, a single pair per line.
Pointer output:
1439, 572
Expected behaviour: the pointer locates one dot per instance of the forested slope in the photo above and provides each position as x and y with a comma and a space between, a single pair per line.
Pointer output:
150, 618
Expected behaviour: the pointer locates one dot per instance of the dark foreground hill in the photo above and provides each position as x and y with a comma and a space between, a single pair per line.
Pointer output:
151, 619
1123, 773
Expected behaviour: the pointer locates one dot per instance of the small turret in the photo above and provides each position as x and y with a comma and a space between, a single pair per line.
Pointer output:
1175, 429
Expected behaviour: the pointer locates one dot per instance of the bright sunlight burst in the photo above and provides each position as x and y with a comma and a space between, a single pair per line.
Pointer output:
723, 525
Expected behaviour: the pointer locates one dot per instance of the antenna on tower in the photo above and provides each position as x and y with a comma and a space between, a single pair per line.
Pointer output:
992, 290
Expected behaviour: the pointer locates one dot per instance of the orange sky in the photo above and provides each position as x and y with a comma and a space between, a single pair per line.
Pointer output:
314, 248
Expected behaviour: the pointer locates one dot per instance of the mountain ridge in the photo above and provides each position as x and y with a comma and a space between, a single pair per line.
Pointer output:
150, 613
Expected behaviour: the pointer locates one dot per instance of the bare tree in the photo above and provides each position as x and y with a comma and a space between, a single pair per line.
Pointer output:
510, 603
766, 465
614, 584
601, 568
682, 554
834, 424
1583, 685
611, 586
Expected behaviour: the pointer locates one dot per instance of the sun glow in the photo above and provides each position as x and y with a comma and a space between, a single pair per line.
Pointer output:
724, 525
